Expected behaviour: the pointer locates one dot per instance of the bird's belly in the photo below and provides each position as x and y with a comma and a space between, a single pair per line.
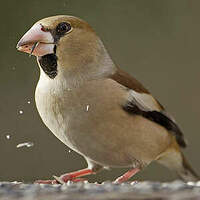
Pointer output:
99, 130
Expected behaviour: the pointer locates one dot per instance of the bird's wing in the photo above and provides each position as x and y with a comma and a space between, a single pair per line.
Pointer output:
141, 102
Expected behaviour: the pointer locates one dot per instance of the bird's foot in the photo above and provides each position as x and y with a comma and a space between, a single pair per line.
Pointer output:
73, 177
46, 182
66, 178
60, 180
126, 176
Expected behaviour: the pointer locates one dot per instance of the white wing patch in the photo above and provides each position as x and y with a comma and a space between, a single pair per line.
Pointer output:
145, 101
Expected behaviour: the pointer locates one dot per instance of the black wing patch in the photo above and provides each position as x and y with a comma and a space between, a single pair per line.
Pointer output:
132, 107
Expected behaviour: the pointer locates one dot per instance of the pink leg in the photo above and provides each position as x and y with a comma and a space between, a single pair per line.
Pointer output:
72, 176
127, 175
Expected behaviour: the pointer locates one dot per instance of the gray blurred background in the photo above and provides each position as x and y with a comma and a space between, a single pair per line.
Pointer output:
156, 41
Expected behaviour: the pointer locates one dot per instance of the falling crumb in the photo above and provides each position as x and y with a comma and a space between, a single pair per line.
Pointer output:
21, 112
25, 144
87, 108
8, 137
69, 151
28, 101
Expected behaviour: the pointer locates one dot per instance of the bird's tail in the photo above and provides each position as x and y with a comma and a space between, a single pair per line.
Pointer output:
187, 173
175, 160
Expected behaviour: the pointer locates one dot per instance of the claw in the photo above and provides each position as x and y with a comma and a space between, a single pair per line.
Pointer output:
59, 179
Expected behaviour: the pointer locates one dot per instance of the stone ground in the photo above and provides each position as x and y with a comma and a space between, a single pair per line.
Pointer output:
176, 190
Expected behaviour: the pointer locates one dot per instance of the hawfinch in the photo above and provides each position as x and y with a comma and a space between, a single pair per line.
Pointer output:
96, 108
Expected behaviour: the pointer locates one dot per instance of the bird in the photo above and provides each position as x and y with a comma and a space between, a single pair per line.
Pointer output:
96, 108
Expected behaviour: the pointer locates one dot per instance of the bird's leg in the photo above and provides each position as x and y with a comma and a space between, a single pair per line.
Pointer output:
127, 175
72, 176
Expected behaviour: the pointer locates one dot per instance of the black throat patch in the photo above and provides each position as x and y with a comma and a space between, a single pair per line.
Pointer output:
49, 64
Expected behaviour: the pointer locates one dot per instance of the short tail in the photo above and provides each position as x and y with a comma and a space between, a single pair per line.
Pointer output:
175, 160
187, 173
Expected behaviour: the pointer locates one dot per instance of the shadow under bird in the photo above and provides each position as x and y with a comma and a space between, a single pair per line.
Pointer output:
97, 109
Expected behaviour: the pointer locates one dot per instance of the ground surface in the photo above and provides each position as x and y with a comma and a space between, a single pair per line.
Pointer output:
107, 191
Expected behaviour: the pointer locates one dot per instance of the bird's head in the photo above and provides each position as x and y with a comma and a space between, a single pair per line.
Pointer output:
63, 41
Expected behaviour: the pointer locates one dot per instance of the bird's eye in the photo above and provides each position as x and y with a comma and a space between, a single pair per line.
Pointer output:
62, 28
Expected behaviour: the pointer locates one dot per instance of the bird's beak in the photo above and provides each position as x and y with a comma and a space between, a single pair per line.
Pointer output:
36, 41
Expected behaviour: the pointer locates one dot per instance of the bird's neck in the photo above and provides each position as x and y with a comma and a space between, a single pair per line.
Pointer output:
77, 76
